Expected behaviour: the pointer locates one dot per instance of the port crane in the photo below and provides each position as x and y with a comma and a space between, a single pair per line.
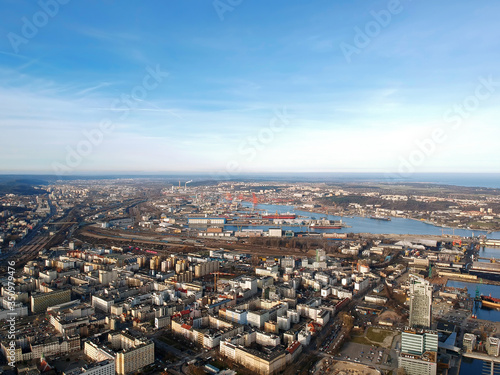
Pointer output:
254, 201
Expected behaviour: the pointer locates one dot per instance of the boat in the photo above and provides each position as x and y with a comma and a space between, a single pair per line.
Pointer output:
287, 215
327, 224
380, 218
491, 302
322, 226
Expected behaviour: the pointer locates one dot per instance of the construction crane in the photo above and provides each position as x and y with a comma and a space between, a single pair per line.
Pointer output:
218, 274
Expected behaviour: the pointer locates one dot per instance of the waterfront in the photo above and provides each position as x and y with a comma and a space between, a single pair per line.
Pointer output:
365, 224
489, 252
476, 366
485, 289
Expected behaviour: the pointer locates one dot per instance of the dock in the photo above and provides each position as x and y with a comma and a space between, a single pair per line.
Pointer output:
490, 242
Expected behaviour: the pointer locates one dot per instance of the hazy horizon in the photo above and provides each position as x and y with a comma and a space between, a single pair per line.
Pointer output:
481, 180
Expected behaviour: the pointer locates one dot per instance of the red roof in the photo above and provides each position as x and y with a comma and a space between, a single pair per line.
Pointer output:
293, 347
44, 366
185, 326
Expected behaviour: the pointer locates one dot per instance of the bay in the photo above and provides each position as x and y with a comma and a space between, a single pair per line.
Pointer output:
367, 225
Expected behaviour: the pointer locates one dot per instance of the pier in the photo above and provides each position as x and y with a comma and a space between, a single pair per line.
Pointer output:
490, 259
490, 243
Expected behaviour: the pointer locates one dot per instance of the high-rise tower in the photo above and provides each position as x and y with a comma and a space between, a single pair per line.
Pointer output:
420, 294
419, 347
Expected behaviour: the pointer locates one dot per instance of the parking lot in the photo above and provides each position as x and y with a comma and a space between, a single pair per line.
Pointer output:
444, 310
368, 355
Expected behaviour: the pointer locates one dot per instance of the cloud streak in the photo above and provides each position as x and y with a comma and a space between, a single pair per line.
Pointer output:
226, 79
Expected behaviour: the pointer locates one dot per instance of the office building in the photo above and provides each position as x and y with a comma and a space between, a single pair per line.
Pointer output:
493, 346
419, 352
469, 342
420, 294
419, 365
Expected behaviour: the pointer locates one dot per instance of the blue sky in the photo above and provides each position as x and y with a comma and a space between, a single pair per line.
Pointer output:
256, 86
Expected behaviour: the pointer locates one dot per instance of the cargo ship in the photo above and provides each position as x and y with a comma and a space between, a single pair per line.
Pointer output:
380, 218
327, 224
287, 215
491, 302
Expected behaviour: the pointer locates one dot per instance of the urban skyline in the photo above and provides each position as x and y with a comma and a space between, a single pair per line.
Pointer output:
249, 187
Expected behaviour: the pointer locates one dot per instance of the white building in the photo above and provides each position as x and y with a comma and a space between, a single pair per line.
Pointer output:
275, 232
469, 342
420, 294
207, 220
361, 285
493, 346
294, 316
102, 303
257, 318
419, 353
284, 323
234, 315
106, 367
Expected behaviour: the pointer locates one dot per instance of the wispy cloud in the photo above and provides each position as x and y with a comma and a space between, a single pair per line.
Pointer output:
227, 78
93, 88
107, 35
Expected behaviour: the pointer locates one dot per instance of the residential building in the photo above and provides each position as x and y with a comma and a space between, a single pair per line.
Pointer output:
132, 354
40, 301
